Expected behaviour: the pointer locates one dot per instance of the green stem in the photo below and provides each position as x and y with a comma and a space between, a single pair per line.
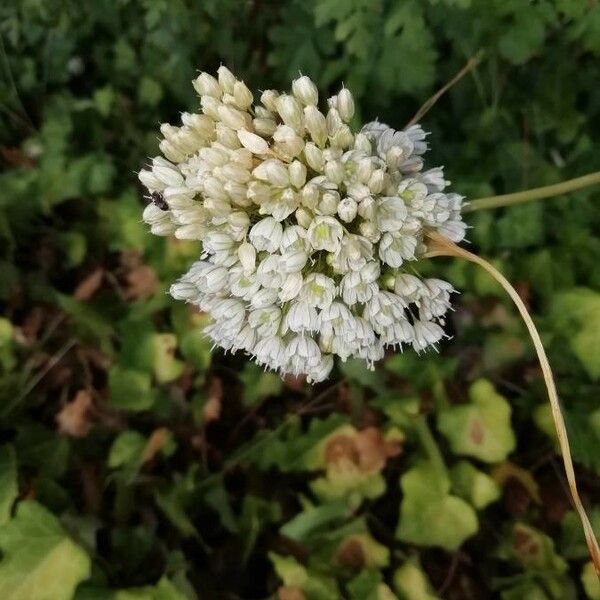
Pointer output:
430, 446
547, 191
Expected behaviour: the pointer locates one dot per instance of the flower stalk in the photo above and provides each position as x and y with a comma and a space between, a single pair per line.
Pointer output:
440, 246
547, 191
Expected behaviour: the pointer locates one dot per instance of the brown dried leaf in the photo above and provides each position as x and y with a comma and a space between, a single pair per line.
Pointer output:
74, 417
89, 286
287, 592
211, 411
154, 444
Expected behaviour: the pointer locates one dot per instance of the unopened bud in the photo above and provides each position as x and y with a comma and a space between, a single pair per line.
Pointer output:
345, 104
290, 112
226, 79
316, 124
314, 157
207, 85
304, 217
347, 209
253, 142
305, 90
297, 174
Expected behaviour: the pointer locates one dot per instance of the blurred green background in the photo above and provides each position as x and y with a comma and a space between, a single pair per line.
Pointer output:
135, 464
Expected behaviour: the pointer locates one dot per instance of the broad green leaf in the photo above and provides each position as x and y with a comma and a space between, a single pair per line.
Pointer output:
429, 514
8, 482
576, 314
127, 449
412, 583
368, 585
481, 428
39, 561
130, 389
314, 585
474, 485
590, 581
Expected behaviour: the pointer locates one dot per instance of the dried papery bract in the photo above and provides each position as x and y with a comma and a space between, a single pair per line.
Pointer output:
308, 228
440, 246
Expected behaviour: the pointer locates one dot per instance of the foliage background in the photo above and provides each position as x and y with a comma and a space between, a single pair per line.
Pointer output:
136, 465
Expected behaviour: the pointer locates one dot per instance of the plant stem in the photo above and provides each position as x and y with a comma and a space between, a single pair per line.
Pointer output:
440, 246
430, 446
548, 191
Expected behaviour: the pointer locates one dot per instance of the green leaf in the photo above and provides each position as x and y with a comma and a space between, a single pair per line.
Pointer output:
411, 582
429, 514
127, 449
474, 485
8, 482
482, 427
576, 314
39, 560
314, 517
590, 581
258, 383
130, 389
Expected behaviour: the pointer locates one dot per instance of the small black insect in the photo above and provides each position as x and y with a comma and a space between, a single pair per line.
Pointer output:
159, 200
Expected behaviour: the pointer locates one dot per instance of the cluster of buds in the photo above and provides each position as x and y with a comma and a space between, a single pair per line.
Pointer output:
306, 225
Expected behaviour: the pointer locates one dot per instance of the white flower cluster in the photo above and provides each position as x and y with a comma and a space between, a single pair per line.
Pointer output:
305, 225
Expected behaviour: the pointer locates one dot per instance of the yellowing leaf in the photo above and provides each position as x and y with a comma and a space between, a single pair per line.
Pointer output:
429, 515
39, 560
482, 427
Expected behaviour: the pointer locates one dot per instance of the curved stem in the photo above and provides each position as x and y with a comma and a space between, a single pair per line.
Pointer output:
548, 191
440, 246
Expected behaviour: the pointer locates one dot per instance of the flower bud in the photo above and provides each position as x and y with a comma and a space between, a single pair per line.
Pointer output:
247, 256
329, 203
243, 96
345, 104
305, 90
227, 136
376, 181
364, 170
252, 142
369, 230
171, 177
213, 188
334, 171
207, 85
210, 106
226, 79
304, 217
268, 99
232, 117
150, 180
264, 127
273, 171
202, 124
334, 121
297, 174
291, 287
316, 124
347, 210
362, 143
309, 196
342, 138
314, 157
290, 112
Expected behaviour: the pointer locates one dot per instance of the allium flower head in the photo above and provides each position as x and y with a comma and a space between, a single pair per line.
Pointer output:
308, 226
